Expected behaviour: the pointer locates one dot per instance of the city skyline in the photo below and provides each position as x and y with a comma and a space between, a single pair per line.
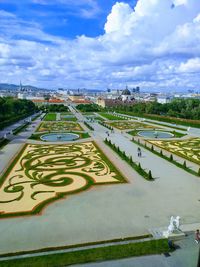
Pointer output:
100, 44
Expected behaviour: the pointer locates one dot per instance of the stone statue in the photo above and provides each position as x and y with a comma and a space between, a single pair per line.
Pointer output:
174, 224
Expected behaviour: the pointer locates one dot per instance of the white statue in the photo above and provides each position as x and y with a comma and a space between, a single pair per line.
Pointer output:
174, 224
171, 225
177, 222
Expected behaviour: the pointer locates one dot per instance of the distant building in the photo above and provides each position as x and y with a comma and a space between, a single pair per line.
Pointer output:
164, 99
126, 95
105, 102
21, 96
76, 97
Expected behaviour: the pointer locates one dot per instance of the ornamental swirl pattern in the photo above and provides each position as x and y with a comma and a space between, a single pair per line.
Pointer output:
187, 148
62, 126
47, 172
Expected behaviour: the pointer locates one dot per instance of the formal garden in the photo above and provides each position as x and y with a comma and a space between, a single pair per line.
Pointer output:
125, 125
44, 173
187, 148
59, 126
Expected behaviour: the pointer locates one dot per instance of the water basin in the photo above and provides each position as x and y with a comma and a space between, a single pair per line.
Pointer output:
59, 137
155, 134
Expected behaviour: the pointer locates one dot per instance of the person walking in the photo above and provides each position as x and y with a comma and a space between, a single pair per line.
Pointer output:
139, 151
197, 236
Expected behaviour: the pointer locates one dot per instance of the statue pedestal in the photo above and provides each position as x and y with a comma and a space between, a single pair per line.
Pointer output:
176, 235
163, 233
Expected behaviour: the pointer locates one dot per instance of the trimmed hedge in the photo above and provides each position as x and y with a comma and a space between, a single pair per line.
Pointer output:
12, 120
88, 126
105, 125
129, 160
170, 158
21, 128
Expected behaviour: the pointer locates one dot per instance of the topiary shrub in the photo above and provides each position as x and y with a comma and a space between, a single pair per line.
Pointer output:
184, 164
171, 157
150, 176
139, 166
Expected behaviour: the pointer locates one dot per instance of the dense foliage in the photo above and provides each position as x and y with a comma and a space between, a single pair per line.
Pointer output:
179, 108
88, 107
12, 110
54, 108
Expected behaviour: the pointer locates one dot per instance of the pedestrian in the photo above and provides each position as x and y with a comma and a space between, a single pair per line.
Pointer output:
139, 151
197, 236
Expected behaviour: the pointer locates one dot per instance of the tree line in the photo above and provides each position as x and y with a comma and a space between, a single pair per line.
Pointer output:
88, 107
179, 108
12, 110
54, 108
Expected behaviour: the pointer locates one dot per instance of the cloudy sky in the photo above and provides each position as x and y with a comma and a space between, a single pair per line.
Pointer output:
154, 44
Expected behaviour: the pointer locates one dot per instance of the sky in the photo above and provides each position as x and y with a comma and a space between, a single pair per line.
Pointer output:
99, 44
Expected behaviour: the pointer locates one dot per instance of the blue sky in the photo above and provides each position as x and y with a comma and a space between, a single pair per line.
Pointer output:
100, 44
63, 18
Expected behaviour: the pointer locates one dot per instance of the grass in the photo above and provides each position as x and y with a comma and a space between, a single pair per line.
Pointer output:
110, 117
82, 245
92, 255
50, 117
69, 116
69, 119
82, 135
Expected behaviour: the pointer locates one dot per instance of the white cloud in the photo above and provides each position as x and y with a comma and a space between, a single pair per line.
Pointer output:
192, 65
150, 45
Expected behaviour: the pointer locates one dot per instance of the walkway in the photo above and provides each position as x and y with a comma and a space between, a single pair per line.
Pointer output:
58, 117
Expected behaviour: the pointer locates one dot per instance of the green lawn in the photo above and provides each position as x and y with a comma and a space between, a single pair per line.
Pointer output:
50, 117
93, 255
110, 117
70, 118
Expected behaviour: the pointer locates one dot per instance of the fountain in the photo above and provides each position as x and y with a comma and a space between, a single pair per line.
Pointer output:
155, 134
54, 137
